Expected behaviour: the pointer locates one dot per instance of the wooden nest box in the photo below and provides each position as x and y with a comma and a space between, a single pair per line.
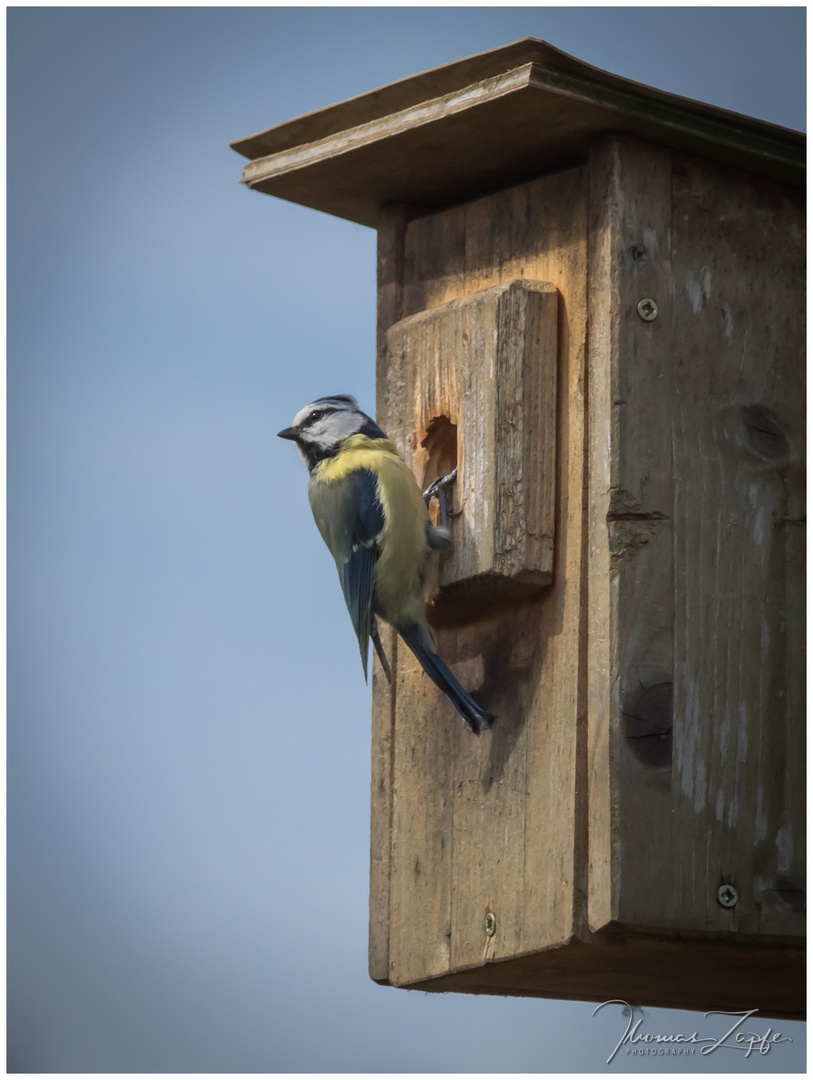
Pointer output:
591, 300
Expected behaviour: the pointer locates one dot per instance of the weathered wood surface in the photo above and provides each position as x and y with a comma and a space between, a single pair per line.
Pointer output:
478, 376
650, 741
488, 825
630, 605
440, 82
510, 114
738, 442
391, 227
644, 970
696, 563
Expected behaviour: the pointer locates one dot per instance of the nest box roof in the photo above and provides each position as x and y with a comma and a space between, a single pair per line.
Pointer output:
486, 122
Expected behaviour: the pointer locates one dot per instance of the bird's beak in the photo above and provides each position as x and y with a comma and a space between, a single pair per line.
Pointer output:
288, 433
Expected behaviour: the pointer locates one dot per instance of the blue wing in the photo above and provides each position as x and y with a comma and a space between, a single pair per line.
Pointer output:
357, 573
350, 518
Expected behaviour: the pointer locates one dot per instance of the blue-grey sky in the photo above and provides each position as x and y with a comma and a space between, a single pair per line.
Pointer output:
188, 735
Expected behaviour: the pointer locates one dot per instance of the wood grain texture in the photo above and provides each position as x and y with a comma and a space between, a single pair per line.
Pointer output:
486, 364
391, 230
422, 838
696, 566
510, 114
487, 825
738, 441
645, 969
630, 605
650, 737
448, 79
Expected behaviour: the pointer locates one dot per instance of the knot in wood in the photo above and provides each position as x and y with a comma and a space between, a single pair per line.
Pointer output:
647, 724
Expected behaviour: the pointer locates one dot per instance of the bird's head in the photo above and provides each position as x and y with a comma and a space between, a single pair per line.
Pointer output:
321, 427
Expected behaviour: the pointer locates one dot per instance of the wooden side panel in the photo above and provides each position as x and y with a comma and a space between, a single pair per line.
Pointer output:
488, 825
739, 452
696, 568
630, 580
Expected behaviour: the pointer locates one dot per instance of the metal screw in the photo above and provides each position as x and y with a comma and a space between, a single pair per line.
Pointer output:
727, 896
647, 309
491, 924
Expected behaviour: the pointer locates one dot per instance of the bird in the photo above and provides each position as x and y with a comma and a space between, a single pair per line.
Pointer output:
372, 515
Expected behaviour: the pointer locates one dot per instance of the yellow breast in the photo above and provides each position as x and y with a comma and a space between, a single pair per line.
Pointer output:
402, 543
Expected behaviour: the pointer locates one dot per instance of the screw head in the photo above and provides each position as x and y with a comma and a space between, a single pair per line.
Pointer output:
727, 896
491, 924
647, 309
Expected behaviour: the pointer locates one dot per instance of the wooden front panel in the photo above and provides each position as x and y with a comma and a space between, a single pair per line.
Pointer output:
466, 826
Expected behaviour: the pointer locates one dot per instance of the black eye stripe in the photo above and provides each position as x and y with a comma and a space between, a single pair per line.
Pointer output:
317, 414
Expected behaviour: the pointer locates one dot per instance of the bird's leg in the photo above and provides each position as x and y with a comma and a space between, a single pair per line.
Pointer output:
438, 489
379, 648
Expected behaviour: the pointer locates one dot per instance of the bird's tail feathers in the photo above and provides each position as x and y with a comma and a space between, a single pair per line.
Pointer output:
473, 716
379, 648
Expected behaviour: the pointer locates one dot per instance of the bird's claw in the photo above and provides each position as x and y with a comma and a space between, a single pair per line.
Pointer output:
439, 484
438, 490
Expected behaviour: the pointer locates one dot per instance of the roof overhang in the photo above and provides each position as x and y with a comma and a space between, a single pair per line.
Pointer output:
486, 122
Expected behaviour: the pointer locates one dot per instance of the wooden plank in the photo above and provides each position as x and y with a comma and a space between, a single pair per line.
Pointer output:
415, 827
525, 378
422, 827
390, 258
387, 127
535, 231
738, 441
480, 373
434, 260
602, 736
510, 114
644, 969
530, 89
490, 791
507, 800
447, 79
383, 716
630, 577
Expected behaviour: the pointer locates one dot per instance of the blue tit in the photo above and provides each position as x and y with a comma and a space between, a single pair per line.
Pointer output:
370, 511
